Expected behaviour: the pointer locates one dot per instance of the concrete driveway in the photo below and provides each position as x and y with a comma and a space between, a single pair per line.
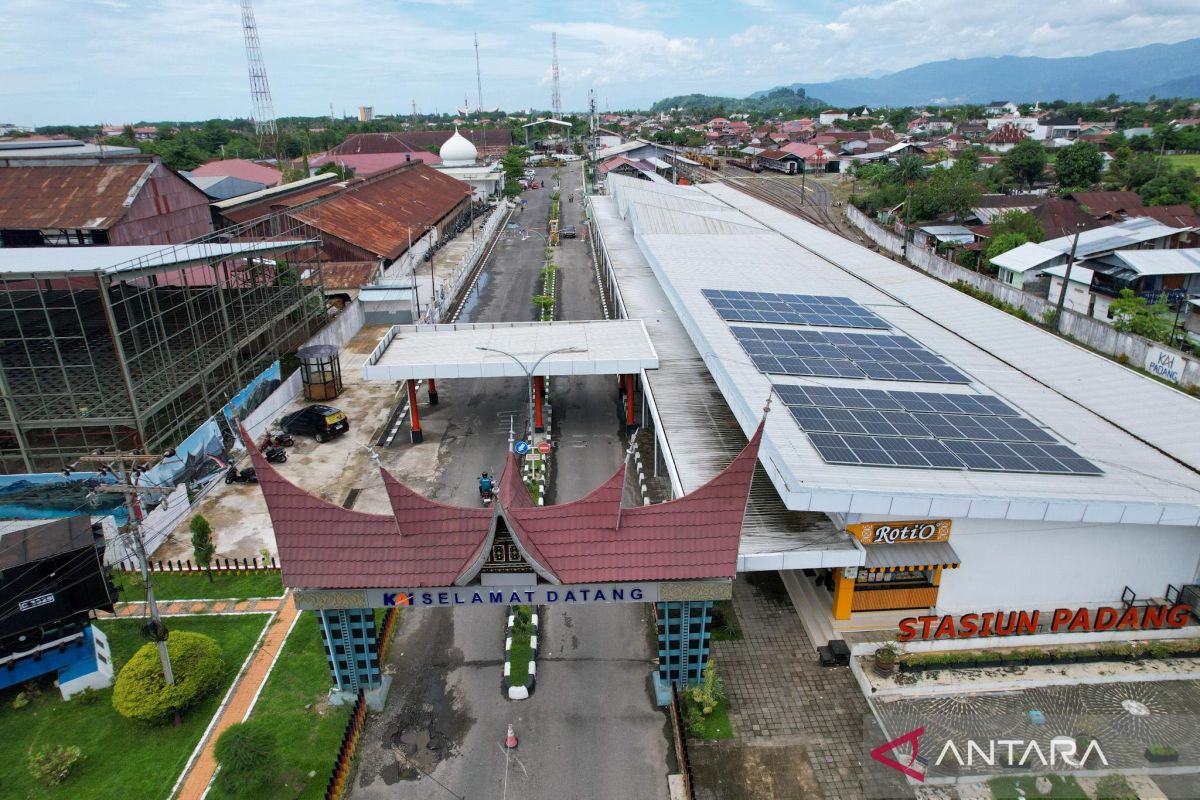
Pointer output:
591, 729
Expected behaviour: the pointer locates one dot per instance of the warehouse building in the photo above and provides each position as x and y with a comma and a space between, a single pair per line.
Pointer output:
925, 452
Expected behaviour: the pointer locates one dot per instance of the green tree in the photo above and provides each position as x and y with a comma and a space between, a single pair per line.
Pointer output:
1078, 165
967, 162
1132, 314
1172, 187
1003, 243
1021, 222
1117, 176
343, 172
1026, 161
202, 543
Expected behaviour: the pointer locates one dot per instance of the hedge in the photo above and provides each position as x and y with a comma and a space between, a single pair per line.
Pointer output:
141, 693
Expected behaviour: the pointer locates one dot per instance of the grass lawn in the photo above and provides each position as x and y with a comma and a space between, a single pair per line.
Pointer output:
1186, 160
122, 758
519, 656
1062, 787
308, 739
180, 586
725, 627
715, 725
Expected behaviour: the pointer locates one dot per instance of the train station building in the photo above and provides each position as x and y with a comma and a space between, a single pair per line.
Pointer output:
932, 455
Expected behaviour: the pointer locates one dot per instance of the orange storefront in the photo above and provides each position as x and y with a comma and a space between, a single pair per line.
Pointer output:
903, 567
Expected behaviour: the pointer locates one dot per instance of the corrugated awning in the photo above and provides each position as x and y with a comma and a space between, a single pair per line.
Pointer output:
927, 555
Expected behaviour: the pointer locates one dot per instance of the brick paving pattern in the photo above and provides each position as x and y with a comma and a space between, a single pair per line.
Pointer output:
176, 608
778, 693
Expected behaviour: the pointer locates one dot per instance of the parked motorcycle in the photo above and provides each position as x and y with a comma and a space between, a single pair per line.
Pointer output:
235, 475
277, 439
274, 455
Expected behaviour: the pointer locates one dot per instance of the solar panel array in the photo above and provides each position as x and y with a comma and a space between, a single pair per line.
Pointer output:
834, 354
794, 309
874, 427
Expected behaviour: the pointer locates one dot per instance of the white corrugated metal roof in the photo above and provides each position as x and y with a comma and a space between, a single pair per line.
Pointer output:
1078, 274
1161, 262
1026, 257
1126, 233
703, 436
1152, 471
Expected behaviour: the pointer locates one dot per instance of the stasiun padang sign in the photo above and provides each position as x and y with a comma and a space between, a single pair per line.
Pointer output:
1061, 620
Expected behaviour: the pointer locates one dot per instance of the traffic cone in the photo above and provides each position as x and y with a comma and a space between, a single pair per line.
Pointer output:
511, 740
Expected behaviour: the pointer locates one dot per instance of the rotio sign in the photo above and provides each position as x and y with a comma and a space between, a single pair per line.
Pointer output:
925, 530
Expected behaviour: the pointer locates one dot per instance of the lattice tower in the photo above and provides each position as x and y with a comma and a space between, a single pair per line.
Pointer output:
260, 90
555, 99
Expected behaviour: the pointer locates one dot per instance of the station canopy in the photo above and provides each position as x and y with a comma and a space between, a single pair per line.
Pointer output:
472, 350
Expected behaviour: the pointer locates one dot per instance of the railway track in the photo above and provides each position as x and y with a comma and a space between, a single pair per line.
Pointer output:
810, 201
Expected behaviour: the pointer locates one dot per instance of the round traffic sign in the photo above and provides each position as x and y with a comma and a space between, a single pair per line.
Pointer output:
543, 447
520, 447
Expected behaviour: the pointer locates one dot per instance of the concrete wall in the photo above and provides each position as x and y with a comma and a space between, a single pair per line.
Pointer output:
1079, 299
1094, 333
1007, 565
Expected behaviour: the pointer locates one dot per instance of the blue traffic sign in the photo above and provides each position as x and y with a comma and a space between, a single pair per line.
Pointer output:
521, 447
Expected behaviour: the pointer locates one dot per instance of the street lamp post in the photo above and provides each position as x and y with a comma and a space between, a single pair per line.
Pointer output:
529, 372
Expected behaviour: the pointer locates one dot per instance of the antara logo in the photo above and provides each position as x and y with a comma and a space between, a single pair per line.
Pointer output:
1061, 750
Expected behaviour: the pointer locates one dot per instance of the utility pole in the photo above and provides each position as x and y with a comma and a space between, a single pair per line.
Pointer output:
130, 490
1062, 292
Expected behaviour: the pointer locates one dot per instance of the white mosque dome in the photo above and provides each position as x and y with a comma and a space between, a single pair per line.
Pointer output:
458, 151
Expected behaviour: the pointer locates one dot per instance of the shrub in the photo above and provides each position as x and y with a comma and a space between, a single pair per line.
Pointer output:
141, 692
1162, 750
87, 697
52, 765
709, 694
246, 754
1114, 787
21, 700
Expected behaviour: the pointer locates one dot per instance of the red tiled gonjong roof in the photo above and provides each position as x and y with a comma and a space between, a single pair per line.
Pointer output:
426, 543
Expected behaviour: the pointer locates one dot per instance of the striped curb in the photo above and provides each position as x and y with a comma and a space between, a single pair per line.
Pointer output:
521, 692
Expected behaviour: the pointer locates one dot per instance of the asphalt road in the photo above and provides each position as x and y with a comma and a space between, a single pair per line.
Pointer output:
591, 729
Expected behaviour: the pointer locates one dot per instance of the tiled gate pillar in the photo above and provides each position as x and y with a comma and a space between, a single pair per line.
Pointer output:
352, 648
683, 631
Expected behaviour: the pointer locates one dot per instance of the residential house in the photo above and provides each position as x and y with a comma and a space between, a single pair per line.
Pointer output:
1140, 233
999, 108
1096, 282
1005, 138
830, 117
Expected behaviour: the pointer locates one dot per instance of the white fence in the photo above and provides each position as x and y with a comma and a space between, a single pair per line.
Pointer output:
1086, 330
450, 287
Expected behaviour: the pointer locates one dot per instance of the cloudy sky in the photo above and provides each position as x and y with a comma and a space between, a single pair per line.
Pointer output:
117, 61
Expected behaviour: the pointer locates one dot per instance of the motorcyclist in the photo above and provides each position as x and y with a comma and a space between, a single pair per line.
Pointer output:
485, 485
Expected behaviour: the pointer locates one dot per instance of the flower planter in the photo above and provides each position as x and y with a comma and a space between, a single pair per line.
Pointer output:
884, 670
1012, 662
1160, 758
1039, 661
1089, 658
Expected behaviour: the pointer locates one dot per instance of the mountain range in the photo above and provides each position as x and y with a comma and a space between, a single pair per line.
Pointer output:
1164, 70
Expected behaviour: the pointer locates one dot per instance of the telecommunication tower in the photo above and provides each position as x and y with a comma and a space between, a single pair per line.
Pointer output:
260, 91
478, 77
555, 100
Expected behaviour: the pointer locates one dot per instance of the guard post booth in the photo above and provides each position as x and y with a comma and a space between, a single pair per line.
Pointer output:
902, 569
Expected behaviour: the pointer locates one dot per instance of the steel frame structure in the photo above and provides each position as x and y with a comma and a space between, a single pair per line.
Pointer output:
140, 356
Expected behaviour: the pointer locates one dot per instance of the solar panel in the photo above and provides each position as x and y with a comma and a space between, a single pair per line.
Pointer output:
795, 309
873, 427
785, 351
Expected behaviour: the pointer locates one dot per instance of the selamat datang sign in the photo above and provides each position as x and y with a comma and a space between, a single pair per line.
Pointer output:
910, 532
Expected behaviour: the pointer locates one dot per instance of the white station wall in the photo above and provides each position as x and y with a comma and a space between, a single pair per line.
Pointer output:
1012, 565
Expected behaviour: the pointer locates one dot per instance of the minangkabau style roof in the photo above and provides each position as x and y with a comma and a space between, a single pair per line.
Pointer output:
426, 543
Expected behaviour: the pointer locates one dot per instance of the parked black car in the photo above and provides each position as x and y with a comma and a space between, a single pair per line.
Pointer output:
567, 232
320, 422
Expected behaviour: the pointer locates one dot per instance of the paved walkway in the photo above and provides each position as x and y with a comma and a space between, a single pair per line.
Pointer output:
178, 608
798, 727
240, 699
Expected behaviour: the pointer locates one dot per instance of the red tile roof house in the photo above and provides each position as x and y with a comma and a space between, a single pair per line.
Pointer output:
1005, 138
240, 168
